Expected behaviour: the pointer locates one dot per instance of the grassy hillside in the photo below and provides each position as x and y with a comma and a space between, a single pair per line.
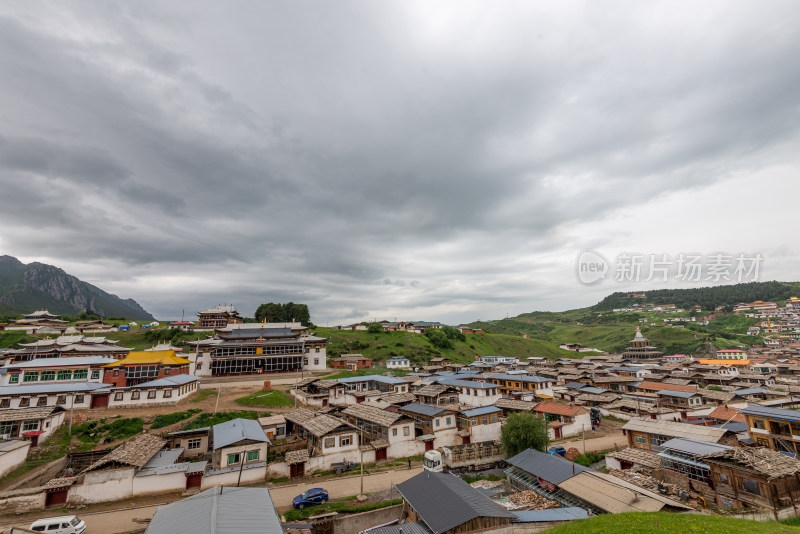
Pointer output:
667, 523
416, 347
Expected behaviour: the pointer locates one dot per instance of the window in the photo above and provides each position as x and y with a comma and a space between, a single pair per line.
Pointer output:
151, 394
80, 374
474, 422
41, 401
758, 423
65, 375
723, 479
95, 374
447, 420
116, 372
30, 425
61, 399
394, 431
5, 403
494, 418
750, 486
193, 443
344, 441
316, 361
234, 458
252, 456
47, 376
316, 349
305, 361
167, 393
167, 371
78, 399
438, 421
484, 420
118, 396
406, 430
640, 439
330, 443
198, 366
30, 377
13, 379
135, 395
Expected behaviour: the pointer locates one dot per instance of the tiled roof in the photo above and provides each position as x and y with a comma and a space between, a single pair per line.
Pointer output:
142, 357
560, 409
723, 413
636, 456
767, 462
135, 452
372, 413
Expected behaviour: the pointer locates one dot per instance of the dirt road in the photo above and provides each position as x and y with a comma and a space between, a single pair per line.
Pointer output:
604, 443
123, 520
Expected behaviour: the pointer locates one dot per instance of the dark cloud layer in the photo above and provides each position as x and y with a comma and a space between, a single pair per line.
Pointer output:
388, 158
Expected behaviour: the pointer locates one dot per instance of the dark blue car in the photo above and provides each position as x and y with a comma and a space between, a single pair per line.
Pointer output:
310, 498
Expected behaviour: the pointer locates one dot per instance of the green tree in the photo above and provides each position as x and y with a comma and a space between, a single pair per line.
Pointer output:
272, 312
453, 333
523, 430
375, 328
438, 338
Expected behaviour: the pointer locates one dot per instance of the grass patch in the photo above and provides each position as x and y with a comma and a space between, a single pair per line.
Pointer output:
161, 421
668, 523
589, 458
265, 398
207, 419
341, 507
615, 419
100, 431
203, 394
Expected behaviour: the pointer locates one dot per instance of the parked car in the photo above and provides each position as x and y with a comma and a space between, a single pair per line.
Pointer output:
65, 524
560, 451
310, 497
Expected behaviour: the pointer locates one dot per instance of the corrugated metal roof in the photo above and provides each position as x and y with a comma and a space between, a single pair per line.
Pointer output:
549, 467
467, 383
521, 378
375, 378
444, 501
677, 394
675, 430
219, 511
773, 413
483, 410
424, 409
237, 430
555, 514
63, 362
416, 527
693, 447
168, 381
59, 387
615, 495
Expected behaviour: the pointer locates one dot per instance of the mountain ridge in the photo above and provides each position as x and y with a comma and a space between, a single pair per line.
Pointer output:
28, 287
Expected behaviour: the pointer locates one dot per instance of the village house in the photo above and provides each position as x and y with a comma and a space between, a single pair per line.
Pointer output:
775, 428
36, 424
445, 504
351, 362
274, 426
473, 393
330, 440
513, 405
398, 362
512, 383
682, 463
564, 420
480, 424
436, 394
755, 478
239, 443
391, 434
435, 426
651, 435
162, 391
193, 442
65, 346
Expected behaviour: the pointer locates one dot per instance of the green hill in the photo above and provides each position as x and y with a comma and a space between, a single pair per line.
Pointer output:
419, 349
667, 523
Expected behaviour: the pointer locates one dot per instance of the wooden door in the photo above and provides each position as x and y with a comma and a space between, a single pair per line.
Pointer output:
297, 470
465, 439
429, 445
100, 401
380, 454
557, 432
56, 497
194, 480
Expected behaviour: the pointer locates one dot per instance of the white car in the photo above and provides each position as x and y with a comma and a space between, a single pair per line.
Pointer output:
66, 524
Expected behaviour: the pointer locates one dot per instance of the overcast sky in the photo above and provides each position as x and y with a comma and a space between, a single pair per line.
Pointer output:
412, 159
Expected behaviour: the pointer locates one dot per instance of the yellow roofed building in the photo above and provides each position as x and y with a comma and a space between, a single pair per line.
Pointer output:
144, 366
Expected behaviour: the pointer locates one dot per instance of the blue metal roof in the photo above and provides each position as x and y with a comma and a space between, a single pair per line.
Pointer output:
549, 467
168, 381
555, 514
423, 409
467, 383
483, 410
374, 378
237, 430
57, 387
521, 378
772, 413
749, 391
574, 385
679, 394
693, 447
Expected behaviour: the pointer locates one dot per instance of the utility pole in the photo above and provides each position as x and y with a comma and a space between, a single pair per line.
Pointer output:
583, 428
241, 466
71, 406
361, 448
219, 392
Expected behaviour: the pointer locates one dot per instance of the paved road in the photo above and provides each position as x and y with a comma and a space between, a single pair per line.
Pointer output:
343, 487
115, 521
